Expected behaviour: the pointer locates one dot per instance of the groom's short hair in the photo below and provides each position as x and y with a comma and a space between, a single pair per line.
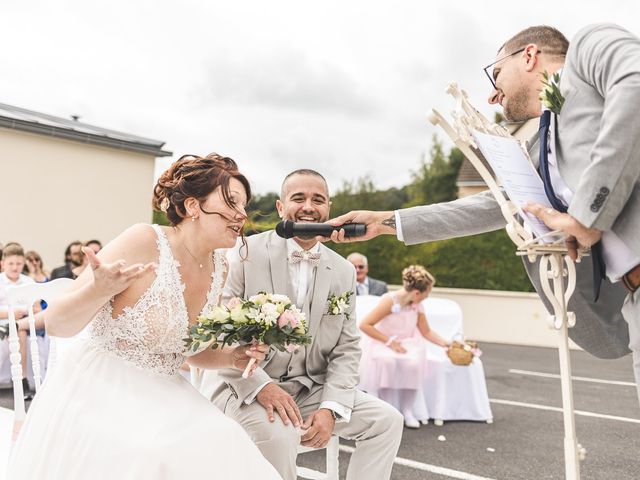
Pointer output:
302, 171
550, 40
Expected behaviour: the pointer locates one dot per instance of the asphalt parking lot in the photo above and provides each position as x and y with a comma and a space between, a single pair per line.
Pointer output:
526, 436
526, 439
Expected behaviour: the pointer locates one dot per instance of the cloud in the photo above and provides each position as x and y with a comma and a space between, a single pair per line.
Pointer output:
287, 79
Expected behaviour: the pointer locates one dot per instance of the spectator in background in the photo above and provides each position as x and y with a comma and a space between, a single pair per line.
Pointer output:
35, 267
94, 245
13, 261
74, 262
365, 284
394, 358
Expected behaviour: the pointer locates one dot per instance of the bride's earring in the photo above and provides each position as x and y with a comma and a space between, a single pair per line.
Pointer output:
193, 218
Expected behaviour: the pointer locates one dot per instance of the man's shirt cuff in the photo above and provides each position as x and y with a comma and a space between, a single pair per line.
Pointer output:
343, 413
252, 396
398, 226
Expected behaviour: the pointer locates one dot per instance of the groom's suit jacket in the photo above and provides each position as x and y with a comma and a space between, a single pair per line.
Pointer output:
598, 156
332, 359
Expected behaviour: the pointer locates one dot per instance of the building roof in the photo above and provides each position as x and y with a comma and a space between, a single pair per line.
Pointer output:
24, 120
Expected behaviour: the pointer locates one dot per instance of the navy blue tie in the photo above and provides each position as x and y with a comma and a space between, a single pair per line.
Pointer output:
599, 268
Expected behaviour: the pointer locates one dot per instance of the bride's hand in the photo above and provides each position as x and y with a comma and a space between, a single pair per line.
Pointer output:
241, 355
112, 278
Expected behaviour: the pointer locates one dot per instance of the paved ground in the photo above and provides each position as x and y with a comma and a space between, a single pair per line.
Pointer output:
528, 442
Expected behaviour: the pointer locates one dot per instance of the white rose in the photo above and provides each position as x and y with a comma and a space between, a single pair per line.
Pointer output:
277, 298
219, 315
239, 314
269, 309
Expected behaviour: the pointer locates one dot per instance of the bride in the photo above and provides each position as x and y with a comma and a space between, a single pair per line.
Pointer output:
115, 406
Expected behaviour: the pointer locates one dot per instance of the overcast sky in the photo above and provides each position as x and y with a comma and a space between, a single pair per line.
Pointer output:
339, 86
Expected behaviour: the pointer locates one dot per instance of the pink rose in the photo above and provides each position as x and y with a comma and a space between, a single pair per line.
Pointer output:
291, 347
234, 302
288, 318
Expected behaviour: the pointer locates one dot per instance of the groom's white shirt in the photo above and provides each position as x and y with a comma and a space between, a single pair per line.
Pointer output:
300, 275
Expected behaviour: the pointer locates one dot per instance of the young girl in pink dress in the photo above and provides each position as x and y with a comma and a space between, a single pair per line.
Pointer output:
394, 358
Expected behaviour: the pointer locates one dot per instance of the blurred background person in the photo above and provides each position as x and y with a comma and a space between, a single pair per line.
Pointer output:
35, 267
394, 360
94, 245
365, 284
74, 262
13, 261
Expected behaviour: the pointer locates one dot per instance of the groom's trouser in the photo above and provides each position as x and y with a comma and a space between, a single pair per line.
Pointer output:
631, 313
375, 426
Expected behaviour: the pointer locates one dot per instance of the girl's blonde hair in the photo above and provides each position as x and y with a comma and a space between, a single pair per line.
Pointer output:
416, 277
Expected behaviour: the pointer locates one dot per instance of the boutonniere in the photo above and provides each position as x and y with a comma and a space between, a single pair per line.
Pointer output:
338, 304
550, 95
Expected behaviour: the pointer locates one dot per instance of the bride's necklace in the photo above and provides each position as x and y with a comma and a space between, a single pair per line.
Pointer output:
192, 255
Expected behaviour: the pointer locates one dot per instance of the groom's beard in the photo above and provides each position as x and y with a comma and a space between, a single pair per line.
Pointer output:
516, 108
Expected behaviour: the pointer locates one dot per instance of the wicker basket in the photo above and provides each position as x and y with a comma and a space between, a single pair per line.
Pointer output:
461, 353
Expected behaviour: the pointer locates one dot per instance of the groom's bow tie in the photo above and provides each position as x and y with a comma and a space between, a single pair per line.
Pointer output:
300, 255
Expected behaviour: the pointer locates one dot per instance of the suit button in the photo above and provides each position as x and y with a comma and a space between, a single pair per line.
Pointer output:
604, 191
599, 197
594, 208
283, 378
290, 368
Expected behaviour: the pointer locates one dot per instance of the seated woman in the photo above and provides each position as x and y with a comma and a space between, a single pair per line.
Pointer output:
394, 359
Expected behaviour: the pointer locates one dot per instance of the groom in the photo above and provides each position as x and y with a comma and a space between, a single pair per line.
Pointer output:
593, 177
311, 394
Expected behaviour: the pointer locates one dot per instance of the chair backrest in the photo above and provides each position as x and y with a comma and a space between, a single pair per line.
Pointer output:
364, 304
27, 295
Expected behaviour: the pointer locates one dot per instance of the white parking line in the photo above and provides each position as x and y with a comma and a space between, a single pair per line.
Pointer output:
558, 409
425, 467
580, 379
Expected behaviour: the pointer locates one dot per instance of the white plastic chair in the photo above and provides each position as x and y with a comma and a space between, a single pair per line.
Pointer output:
452, 392
28, 295
331, 473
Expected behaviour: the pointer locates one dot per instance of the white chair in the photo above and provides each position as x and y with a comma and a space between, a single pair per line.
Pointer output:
364, 304
331, 473
28, 295
452, 392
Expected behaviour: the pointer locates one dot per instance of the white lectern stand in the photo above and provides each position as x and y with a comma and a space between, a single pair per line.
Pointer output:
557, 270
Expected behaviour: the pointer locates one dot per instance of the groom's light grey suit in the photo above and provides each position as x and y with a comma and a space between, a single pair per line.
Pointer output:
325, 371
597, 151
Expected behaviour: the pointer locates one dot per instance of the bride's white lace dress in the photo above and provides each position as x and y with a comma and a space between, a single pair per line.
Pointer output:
115, 406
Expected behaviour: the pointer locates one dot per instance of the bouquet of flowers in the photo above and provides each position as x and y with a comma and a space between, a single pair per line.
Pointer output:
265, 318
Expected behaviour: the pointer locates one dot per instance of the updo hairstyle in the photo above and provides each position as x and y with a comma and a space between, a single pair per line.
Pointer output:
416, 277
197, 177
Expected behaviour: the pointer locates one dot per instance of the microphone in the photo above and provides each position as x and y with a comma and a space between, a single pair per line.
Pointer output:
289, 229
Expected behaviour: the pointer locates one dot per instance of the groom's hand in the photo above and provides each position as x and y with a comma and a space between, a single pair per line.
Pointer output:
378, 223
319, 427
272, 397
577, 234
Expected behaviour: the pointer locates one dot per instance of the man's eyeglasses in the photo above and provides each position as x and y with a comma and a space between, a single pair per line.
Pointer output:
491, 77
360, 267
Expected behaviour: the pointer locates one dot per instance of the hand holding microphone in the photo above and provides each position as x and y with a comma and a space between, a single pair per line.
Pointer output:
289, 229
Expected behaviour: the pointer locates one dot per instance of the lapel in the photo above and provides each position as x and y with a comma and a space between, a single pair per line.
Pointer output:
279, 266
319, 293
